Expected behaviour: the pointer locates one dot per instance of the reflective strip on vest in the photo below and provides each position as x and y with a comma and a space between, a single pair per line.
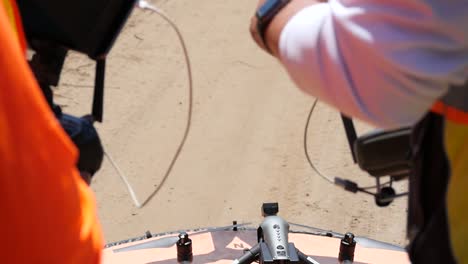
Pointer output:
15, 19
454, 105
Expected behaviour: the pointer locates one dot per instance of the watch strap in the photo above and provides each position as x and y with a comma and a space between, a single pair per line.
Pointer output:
265, 15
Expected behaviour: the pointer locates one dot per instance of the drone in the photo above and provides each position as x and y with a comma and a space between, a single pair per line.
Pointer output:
272, 237
274, 248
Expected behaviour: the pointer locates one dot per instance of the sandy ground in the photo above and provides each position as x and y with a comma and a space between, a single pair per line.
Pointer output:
246, 142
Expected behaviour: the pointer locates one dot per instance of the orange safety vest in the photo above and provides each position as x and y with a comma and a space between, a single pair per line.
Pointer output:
48, 211
451, 113
15, 21
454, 107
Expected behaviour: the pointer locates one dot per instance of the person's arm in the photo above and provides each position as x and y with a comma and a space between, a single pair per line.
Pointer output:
273, 31
385, 62
48, 211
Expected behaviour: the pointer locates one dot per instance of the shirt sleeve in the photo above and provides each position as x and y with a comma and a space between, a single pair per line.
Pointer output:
385, 62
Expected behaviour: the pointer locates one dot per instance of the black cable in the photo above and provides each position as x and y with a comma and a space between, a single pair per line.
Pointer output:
190, 102
375, 186
312, 165
145, 5
306, 130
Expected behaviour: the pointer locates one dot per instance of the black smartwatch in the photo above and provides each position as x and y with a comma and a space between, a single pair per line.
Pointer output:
265, 15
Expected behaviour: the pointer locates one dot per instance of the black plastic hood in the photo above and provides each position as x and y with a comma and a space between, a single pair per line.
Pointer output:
87, 26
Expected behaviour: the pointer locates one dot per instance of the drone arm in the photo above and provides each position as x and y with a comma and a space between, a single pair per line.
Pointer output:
305, 259
250, 256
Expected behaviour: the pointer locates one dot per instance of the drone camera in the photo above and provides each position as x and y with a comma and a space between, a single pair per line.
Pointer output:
270, 209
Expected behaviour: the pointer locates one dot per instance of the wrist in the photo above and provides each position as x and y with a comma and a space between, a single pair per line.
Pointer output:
265, 14
278, 22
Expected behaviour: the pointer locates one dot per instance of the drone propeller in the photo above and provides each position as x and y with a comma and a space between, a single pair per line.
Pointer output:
322, 232
164, 242
375, 244
170, 241
361, 241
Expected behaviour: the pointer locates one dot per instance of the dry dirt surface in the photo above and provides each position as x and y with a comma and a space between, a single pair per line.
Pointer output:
246, 141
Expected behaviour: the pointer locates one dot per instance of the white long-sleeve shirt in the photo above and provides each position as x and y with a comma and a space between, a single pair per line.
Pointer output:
383, 61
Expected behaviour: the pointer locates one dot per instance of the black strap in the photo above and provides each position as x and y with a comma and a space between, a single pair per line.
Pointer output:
46, 64
350, 134
428, 226
98, 98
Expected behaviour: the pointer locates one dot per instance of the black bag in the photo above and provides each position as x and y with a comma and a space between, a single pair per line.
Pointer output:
382, 153
53, 27
87, 26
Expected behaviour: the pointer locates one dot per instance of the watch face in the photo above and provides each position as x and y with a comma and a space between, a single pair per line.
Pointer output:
266, 8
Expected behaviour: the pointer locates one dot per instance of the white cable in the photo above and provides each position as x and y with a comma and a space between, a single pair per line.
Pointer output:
124, 179
146, 6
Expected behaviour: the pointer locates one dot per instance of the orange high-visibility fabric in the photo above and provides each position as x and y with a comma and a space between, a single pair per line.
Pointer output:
48, 213
456, 148
451, 113
15, 21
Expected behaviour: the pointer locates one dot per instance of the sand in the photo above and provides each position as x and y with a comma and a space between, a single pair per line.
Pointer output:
246, 142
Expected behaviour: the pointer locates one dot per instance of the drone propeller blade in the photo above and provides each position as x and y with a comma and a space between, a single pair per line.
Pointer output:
361, 241
167, 242
164, 242
371, 243
320, 231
